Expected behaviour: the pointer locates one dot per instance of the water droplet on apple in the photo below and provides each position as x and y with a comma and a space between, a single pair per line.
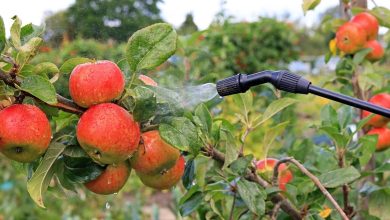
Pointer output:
116, 193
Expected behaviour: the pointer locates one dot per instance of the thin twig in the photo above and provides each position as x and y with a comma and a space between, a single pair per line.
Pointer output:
275, 211
243, 138
315, 180
234, 203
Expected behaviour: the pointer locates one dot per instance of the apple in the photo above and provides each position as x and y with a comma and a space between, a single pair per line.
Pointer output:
96, 82
154, 155
350, 38
266, 167
147, 80
25, 132
367, 22
383, 137
111, 180
108, 133
382, 99
377, 50
167, 178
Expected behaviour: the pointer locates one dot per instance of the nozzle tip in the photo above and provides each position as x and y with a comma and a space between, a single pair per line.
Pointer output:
229, 86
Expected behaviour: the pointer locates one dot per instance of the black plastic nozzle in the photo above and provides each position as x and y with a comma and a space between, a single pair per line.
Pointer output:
282, 80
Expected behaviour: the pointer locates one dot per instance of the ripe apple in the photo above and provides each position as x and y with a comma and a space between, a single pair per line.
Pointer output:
350, 38
167, 178
377, 50
383, 137
383, 100
266, 168
111, 180
367, 22
147, 80
154, 155
108, 133
25, 132
96, 82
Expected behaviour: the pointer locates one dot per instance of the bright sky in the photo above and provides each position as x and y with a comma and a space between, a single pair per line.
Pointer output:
174, 11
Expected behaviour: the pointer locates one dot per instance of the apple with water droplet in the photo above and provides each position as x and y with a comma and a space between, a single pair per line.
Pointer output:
112, 179
96, 82
25, 132
108, 133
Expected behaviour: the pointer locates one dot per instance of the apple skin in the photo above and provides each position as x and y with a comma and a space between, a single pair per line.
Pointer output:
266, 167
377, 50
367, 22
96, 82
108, 133
25, 132
154, 155
350, 38
383, 137
382, 99
112, 179
166, 179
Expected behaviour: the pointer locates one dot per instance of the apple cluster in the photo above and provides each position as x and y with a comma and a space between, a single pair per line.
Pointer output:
107, 132
379, 123
359, 33
265, 168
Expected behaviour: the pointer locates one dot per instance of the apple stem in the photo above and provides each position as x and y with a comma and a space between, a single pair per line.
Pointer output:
315, 180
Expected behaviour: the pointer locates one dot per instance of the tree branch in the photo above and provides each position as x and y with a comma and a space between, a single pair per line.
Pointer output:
315, 180
62, 102
252, 176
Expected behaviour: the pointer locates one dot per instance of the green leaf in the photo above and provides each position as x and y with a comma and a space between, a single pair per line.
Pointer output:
339, 177
40, 180
240, 165
252, 196
190, 201
181, 133
339, 139
29, 31
63, 120
383, 168
145, 104
379, 202
271, 134
15, 32
3, 39
40, 88
5, 90
189, 174
329, 117
151, 46
45, 69
70, 64
367, 149
383, 16
227, 141
32, 46
309, 5
244, 101
359, 56
275, 107
205, 117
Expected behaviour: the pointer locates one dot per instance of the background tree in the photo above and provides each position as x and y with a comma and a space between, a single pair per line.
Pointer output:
104, 19
188, 25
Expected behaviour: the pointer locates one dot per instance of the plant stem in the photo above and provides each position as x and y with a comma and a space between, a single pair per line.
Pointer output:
233, 204
315, 180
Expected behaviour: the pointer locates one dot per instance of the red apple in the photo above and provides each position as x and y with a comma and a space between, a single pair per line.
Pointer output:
383, 137
350, 38
265, 168
154, 155
367, 22
166, 179
96, 82
377, 50
383, 100
111, 180
25, 132
108, 133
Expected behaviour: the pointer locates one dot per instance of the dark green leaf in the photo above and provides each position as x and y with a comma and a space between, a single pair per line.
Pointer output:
240, 165
189, 174
339, 139
383, 168
205, 117
190, 201
40, 88
63, 120
366, 149
339, 177
360, 55
70, 64
3, 39
29, 31
144, 103
151, 46
252, 196
40, 180
174, 137
329, 117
